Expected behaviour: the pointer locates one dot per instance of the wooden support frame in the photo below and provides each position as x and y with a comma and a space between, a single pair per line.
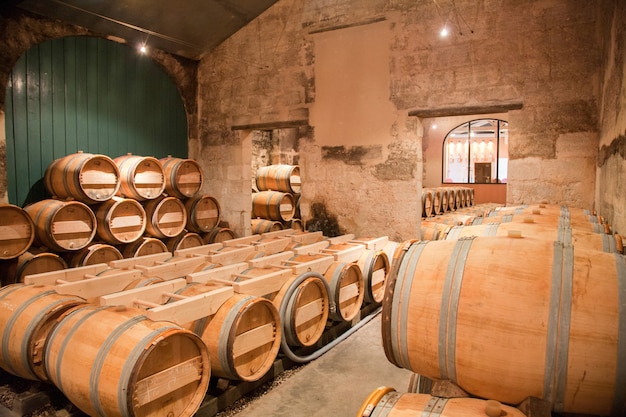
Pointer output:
65, 275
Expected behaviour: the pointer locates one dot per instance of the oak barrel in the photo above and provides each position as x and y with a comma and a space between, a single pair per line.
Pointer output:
183, 241
387, 402
577, 237
302, 301
27, 313
273, 205
17, 231
167, 217
461, 310
143, 246
243, 337
427, 203
33, 261
347, 289
89, 178
203, 213
218, 234
264, 226
113, 361
444, 199
120, 221
183, 177
375, 266
285, 178
141, 177
62, 225
95, 253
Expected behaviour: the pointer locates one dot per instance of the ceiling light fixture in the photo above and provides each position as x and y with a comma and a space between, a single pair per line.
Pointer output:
444, 32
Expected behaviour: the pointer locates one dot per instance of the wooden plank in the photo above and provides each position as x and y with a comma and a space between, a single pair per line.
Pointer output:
152, 293
274, 259
319, 265
279, 233
307, 238
253, 339
167, 381
309, 311
245, 240
229, 256
146, 260
95, 287
219, 273
378, 276
71, 274
272, 246
264, 284
192, 308
16, 231
198, 250
62, 227
340, 239
372, 243
312, 248
349, 254
174, 268
348, 292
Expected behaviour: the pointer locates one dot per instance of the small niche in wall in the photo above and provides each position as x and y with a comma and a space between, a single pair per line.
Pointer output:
273, 147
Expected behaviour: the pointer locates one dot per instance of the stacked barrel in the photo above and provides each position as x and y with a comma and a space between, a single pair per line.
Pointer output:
275, 205
527, 305
440, 200
144, 335
103, 209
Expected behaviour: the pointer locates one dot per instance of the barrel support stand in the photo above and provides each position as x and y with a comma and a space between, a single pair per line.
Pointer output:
535, 407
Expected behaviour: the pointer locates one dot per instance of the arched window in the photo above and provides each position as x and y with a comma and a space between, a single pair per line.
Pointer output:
477, 152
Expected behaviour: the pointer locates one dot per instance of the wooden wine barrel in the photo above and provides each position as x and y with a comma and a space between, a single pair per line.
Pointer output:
96, 253
436, 200
34, 261
444, 200
113, 361
243, 337
264, 226
285, 178
427, 203
387, 402
551, 215
432, 230
479, 302
347, 289
454, 198
143, 282
167, 217
203, 213
143, 246
183, 177
120, 221
295, 224
218, 235
62, 225
141, 177
304, 303
183, 241
273, 205
580, 238
17, 231
27, 313
375, 267
89, 178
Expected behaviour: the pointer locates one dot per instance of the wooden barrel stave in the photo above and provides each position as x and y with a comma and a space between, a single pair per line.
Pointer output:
183, 177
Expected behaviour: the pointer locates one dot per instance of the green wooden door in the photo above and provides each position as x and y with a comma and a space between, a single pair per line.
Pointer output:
89, 94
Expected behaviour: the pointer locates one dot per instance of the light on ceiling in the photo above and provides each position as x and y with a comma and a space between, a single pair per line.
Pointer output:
444, 32
143, 49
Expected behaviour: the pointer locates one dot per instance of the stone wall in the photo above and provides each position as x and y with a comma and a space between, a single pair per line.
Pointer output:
611, 163
362, 161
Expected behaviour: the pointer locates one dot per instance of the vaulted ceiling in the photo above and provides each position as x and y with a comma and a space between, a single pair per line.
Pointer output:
189, 28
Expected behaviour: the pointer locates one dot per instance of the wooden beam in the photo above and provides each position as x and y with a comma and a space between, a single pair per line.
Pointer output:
487, 108
271, 125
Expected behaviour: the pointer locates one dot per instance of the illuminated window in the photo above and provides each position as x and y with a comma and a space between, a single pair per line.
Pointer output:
477, 152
